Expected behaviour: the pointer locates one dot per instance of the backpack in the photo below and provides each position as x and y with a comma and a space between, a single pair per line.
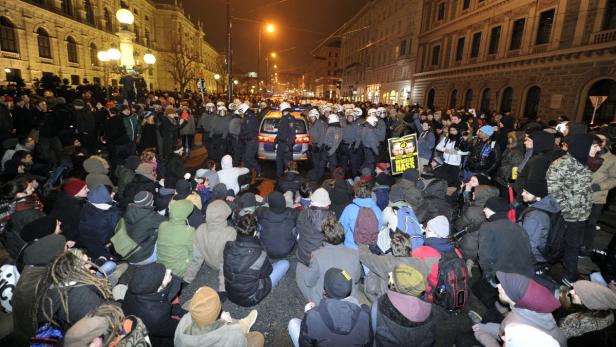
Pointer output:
408, 223
123, 244
451, 290
555, 242
366, 230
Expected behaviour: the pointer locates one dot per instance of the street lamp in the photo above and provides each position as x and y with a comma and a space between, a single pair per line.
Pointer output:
114, 54
267, 79
126, 18
236, 82
103, 56
270, 28
273, 54
149, 58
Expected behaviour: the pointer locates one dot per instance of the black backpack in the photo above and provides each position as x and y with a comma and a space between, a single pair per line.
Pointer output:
555, 243
451, 290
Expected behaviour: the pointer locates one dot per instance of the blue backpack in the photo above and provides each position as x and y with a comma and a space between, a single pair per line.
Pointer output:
408, 223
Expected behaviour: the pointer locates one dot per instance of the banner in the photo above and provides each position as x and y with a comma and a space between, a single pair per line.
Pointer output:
403, 153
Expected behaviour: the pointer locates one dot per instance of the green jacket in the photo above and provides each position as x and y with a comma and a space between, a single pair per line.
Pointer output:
175, 238
569, 183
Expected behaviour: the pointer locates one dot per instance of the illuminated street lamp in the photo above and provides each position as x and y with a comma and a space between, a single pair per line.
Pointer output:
149, 58
236, 82
114, 54
269, 28
273, 54
103, 56
126, 18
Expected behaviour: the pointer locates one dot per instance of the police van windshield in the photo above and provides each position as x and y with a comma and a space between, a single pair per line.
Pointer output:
270, 126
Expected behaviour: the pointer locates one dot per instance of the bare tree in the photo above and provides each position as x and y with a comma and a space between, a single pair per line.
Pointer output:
183, 64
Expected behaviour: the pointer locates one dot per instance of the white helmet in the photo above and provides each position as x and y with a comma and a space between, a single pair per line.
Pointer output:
349, 112
339, 108
357, 112
382, 112
314, 113
327, 109
348, 106
373, 112
333, 118
284, 105
233, 106
210, 107
372, 120
220, 103
241, 109
562, 127
222, 111
262, 104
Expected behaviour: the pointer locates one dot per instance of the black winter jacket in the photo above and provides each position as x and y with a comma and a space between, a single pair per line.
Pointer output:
115, 133
311, 237
393, 329
138, 184
277, 231
96, 227
481, 164
246, 270
290, 181
67, 209
142, 226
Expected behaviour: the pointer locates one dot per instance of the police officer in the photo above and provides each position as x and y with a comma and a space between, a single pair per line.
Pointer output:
250, 130
205, 125
220, 132
317, 134
331, 142
369, 142
285, 139
235, 129
350, 157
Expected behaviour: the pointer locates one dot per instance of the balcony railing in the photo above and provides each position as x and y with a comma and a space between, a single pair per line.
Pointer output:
604, 36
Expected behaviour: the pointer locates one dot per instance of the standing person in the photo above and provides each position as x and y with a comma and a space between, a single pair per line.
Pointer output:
149, 133
285, 139
425, 144
205, 125
453, 147
349, 155
369, 142
331, 142
131, 124
317, 134
49, 145
85, 124
336, 320
235, 130
187, 129
169, 131
219, 133
250, 130
570, 183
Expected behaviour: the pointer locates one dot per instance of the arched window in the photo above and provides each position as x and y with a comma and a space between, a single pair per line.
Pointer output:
147, 38
67, 7
430, 98
485, 100
506, 100
452, 98
531, 106
71, 49
108, 21
468, 98
87, 6
44, 47
8, 37
94, 55
606, 111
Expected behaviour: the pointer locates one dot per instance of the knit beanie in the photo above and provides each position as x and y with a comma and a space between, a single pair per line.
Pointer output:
205, 306
337, 283
487, 129
579, 146
38, 228
144, 199
320, 198
246, 200
183, 188
497, 204
276, 202
410, 175
73, 186
396, 194
96, 164
595, 296
146, 170
408, 281
132, 162
385, 179
526, 293
538, 188
85, 331
440, 226
95, 180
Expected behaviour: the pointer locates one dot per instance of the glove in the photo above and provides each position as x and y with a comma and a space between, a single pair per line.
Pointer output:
595, 187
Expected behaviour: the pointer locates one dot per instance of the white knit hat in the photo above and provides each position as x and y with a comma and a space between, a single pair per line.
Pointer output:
440, 226
320, 198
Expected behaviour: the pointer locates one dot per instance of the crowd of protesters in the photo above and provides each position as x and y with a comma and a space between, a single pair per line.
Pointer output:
104, 226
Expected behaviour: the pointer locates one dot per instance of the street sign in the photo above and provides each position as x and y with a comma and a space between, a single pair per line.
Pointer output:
596, 101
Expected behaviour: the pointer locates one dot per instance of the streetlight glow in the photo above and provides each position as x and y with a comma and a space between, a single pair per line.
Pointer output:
217, 77
149, 58
114, 54
125, 16
236, 82
270, 28
103, 56
275, 66
273, 54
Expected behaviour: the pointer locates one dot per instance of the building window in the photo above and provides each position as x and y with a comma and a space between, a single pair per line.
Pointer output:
75, 80
147, 38
494, 39
108, 21
94, 55
546, 20
13, 75
8, 37
466, 4
403, 47
436, 53
87, 6
430, 99
506, 100
609, 19
71, 49
441, 11
531, 106
137, 34
468, 98
44, 47
67, 7
485, 100
516, 34
475, 45
452, 99
460, 49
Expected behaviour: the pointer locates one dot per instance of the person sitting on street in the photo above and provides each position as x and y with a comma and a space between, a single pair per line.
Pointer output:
277, 226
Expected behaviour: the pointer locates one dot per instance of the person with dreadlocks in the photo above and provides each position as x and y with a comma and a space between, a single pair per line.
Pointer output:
68, 290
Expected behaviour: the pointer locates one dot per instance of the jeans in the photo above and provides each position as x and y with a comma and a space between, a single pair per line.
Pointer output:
294, 329
279, 269
151, 259
574, 237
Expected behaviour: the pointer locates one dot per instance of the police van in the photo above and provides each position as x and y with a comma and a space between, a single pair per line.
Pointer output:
269, 129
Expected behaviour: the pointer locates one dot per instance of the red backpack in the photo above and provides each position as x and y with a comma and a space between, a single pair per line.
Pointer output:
366, 230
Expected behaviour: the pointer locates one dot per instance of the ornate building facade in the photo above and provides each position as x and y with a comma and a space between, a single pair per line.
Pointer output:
323, 74
63, 37
378, 51
532, 58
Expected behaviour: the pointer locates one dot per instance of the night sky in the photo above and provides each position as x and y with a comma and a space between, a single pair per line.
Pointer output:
300, 26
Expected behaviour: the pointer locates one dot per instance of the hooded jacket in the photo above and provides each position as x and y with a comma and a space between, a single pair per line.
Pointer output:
538, 164
569, 183
209, 241
311, 237
471, 219
340, 194
97, 222
349, 216
412, 195
336, 323
189, 334
404, 320
536, 222
504, 246
434, 203
277, 231
229, 174
246, 270
67, 209
175, 238
512, 157
142, 225
144, 299
289, 182
542, 321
